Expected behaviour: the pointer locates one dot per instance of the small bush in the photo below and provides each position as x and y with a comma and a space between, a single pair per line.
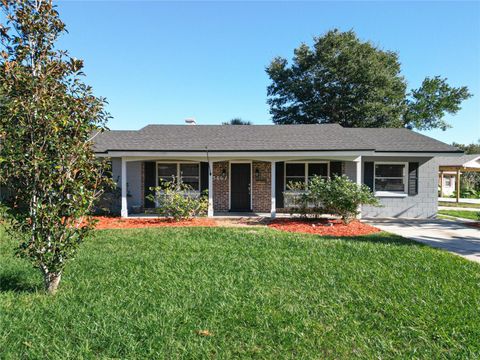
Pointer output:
178, 201
336, 196
297, 200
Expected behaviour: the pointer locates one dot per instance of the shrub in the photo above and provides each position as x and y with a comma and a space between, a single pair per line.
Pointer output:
297, 199
336, 196
178, 201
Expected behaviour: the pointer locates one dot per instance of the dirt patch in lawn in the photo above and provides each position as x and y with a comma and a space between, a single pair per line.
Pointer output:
243, 222
323, 227
105, 222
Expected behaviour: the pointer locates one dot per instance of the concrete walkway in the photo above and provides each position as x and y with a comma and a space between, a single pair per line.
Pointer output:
458, 208
462, 200
449, 235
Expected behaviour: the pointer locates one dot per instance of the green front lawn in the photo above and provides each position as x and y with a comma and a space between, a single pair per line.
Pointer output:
465, 214
259, 293
460, 205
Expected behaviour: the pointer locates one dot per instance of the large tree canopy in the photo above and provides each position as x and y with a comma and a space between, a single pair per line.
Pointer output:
237, 121
343, 80
47, 119
473, 148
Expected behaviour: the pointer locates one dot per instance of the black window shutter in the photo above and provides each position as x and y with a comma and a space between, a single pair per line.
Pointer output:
149, 181
203, 176
279, 184
335, 168
413, 178
368, 174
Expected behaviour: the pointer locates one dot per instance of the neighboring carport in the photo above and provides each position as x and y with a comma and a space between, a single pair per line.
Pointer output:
452, 236
457, 166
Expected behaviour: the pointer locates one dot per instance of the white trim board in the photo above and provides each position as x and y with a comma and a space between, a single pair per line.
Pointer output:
265, 155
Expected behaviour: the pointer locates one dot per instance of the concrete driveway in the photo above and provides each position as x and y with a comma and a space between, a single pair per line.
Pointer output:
448, 235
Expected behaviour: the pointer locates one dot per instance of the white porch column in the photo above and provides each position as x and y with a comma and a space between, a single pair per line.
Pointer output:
123, 185
358, 177
210, 189
273, 210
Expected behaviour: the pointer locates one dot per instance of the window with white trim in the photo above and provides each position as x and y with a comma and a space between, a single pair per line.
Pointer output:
187, 173
390, 178
166, 172
301, 172
317, 169
190, 175
295, 173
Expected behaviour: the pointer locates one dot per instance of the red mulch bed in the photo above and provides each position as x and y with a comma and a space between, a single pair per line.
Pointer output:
105, 222
473, 224
323, 227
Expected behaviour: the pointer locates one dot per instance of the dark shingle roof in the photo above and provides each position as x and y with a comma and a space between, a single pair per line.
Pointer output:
265, 138
400, 140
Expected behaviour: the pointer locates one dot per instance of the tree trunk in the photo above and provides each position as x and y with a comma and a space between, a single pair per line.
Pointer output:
51, 281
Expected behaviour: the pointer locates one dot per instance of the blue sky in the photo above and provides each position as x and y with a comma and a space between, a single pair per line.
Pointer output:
161, 62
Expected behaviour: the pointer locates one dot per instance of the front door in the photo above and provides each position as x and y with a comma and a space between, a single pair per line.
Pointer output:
240, 187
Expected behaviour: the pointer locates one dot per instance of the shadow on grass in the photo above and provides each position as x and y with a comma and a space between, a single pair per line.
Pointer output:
378, 238
17, 283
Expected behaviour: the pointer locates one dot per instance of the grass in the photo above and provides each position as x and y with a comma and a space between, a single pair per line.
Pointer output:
464, 214
460, 205
259, 293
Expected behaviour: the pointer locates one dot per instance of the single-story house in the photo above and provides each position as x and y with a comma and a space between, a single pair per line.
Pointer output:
246, 167
450, 170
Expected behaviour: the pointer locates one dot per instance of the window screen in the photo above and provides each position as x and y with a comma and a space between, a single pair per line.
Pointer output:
190, 175
390, 177
295, 173
318, 170
167, 172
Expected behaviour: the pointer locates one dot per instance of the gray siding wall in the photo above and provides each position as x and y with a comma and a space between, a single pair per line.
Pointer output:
351, 170
134, 180
422, 205
134, 183
116, 170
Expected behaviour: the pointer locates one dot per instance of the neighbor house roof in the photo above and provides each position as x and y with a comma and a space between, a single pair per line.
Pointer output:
471, 160
325, 137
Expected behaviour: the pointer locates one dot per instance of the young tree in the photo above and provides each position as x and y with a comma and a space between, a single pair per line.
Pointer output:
47, 120
473, 148
237, 121
355, 84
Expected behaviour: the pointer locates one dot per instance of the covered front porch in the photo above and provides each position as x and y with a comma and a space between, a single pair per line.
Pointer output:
237, 184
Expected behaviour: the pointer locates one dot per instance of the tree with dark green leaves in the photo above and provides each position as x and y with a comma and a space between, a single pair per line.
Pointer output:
48, 118
237, 121
473, 148
343, 80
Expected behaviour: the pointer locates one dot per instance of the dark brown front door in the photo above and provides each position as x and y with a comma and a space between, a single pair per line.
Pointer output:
240, 187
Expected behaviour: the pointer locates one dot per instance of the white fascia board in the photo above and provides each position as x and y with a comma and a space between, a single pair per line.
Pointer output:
264, 155
415, 154
226, 155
